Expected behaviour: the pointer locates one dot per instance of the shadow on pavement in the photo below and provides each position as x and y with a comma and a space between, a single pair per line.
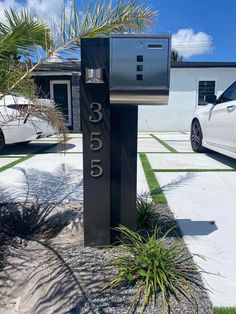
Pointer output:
34, 148
196, 228
228, 161
62, 185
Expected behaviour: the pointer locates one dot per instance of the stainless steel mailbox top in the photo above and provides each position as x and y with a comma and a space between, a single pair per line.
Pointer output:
139, 69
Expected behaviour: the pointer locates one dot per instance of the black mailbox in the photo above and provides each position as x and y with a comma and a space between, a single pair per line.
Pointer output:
117, 74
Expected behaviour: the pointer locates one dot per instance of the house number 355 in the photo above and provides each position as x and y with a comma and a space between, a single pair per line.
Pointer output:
95, 140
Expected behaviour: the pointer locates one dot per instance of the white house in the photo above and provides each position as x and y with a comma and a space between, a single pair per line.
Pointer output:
189, 83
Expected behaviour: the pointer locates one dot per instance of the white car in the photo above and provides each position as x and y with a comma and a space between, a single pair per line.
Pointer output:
17, 125
214, 125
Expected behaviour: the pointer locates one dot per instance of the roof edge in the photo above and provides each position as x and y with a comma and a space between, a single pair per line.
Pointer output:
186, 64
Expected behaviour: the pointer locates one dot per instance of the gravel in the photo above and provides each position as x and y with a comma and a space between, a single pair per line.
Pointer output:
59, 275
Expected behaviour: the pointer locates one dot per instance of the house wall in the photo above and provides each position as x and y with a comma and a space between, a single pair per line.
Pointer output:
183, 98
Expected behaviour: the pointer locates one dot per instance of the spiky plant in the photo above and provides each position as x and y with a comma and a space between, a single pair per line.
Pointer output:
155, 268
147, 216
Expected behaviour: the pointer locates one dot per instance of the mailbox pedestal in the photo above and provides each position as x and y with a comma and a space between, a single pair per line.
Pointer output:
109, 123
124, 122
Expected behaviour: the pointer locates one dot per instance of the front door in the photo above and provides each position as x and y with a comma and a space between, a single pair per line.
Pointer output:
61, 94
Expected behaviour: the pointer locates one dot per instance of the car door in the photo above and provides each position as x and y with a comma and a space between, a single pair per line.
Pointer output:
220, 126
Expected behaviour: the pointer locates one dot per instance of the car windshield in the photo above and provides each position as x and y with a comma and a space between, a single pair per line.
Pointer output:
229, 94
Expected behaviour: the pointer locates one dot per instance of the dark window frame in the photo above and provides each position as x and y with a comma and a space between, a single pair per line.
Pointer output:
202, 94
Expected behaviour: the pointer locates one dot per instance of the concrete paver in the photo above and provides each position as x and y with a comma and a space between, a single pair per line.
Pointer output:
172, 136
150, 145
185, 161
204, 205
51, 177
144, 135
142, 186
4, 161
45, 177
180, 146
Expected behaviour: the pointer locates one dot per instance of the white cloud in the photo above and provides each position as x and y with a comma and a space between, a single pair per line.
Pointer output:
47, 9
188, 43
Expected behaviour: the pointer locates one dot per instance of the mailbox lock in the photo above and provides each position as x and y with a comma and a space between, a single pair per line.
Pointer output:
94, 76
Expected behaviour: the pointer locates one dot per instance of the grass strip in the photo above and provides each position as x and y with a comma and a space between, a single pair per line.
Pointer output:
194, 170
170, 148
154, 187
24, 158
224, 310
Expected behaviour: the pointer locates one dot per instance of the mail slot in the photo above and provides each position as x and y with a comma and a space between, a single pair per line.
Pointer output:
139, 69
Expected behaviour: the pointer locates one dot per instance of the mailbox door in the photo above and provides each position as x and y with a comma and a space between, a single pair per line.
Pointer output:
139, 63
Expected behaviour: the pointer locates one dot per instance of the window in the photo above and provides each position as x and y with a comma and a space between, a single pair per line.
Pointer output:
229, 94
205, 88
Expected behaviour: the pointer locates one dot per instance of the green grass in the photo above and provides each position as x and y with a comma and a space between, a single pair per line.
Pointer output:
170, 148
194, 170
224, 310
158, 196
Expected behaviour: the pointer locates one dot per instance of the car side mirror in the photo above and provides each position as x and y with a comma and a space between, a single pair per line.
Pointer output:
211, 99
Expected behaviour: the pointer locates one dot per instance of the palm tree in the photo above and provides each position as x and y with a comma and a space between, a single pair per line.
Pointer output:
175, 56
22, 36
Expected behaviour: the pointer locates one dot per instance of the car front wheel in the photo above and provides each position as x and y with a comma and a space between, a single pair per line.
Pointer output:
196, 137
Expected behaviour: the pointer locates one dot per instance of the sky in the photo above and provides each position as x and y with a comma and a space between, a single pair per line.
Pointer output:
202, 30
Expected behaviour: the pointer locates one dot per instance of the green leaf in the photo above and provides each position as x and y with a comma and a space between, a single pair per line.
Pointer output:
129, 277
142, 273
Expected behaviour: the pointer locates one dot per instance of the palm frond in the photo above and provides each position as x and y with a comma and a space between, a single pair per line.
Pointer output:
102, 19
21, 34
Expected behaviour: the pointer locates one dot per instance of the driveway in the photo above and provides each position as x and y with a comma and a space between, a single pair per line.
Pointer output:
200, 190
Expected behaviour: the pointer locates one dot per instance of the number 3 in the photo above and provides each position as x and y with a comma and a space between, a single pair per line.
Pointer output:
97, 170
96, 111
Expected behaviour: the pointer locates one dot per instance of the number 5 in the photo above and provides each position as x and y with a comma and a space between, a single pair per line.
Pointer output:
97, 170
94, 140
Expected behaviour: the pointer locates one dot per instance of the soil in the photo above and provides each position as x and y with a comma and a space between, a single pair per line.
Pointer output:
53, 273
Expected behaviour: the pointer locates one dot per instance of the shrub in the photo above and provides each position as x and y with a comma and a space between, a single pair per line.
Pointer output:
155, 267
146, 215
148, 218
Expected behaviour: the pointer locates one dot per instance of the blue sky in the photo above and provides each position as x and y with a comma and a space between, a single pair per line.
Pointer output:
203, 30
216, 18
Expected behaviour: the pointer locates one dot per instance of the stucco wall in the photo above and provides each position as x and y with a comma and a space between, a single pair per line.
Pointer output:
183, 98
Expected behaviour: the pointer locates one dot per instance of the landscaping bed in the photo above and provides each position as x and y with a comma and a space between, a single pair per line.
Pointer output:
52, 272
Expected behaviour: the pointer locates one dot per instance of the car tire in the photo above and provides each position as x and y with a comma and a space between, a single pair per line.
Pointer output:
2, 140
196, 137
